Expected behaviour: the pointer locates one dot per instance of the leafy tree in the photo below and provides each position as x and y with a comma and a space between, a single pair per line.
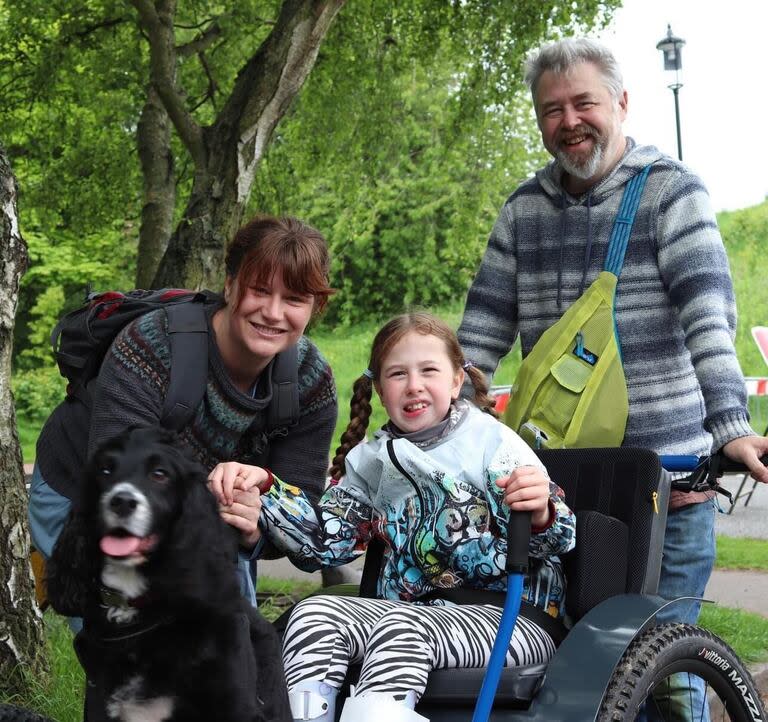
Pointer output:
21, 631
115, 76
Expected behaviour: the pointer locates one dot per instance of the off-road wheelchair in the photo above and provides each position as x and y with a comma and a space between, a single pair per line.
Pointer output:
615, 661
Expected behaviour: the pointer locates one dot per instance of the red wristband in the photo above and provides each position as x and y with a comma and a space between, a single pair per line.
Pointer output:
266, 485
550, 522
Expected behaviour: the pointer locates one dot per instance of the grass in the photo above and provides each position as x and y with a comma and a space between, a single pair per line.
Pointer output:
741, 553
746, 632
60, 696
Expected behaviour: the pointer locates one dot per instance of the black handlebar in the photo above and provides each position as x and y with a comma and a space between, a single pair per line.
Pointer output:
518, 538
709, 469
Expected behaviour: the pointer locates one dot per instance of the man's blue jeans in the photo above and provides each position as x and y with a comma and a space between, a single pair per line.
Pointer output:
689, 555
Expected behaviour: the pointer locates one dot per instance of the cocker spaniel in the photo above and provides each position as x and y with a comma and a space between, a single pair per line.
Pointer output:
149, 564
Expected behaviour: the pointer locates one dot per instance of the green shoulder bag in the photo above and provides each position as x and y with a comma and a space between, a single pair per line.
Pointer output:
570, 391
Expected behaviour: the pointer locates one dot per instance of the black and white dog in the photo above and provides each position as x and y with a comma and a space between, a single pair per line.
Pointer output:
148, 563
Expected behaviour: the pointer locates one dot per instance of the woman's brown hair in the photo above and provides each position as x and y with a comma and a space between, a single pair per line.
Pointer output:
267, 244
362, 389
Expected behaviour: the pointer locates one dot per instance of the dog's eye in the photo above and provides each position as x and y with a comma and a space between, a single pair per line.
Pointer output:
105, 471
159, 474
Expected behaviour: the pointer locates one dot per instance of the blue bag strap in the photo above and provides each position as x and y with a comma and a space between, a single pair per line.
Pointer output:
625, 219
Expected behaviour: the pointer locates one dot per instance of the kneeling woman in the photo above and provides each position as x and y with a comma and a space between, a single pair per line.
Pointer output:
434, 484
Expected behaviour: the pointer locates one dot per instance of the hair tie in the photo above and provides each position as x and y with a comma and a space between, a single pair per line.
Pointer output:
368, 374
467, 365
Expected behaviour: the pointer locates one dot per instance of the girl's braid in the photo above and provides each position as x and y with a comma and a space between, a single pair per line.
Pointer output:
359, 415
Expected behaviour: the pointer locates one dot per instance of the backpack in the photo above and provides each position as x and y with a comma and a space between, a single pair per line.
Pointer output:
81, 339
570, 391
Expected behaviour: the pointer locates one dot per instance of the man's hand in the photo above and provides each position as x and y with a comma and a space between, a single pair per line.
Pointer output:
748, 450
527, 489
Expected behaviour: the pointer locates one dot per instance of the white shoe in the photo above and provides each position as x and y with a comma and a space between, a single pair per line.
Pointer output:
379, 708
313, 700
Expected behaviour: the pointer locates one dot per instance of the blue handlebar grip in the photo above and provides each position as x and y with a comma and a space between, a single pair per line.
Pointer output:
518, 539
680, 463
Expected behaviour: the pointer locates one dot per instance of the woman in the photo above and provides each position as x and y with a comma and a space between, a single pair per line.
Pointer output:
277, 280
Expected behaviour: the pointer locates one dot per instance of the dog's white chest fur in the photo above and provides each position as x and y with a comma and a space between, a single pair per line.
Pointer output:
130, 582
124, 706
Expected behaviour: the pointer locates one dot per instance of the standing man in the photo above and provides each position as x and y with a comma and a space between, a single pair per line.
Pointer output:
675, 305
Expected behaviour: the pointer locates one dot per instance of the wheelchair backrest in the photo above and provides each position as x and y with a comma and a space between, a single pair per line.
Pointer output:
620, 499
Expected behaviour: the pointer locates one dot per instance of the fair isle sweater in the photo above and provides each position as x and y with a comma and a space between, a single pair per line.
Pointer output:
228, 425
675, 305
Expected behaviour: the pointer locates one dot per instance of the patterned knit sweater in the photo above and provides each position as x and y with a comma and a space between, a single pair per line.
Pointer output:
227, 425
675, 305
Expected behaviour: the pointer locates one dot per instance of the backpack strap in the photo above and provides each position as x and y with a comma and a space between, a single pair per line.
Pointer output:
188, 330
284, 406
625, 219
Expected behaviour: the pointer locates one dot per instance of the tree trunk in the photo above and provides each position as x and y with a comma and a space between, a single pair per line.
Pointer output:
21, 628
154, 143
227, 154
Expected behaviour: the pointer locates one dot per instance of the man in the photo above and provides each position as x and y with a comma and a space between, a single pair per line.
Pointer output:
675, 306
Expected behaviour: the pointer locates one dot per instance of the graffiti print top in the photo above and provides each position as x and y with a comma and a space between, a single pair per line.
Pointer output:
437, 509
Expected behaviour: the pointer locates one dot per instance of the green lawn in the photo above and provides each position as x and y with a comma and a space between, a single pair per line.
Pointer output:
741, 553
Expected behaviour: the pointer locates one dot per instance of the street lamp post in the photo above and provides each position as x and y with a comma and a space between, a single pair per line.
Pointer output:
671, 47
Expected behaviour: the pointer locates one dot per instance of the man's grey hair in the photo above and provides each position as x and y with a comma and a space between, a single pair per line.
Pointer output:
559, 57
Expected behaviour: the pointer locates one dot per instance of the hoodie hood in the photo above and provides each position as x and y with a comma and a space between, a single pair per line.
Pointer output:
550, 178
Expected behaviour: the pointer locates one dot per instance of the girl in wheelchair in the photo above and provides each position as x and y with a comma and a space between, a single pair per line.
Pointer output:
435, 484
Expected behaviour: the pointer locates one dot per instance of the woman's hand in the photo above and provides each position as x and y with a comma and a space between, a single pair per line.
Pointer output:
243, 514
527, 489
231, 475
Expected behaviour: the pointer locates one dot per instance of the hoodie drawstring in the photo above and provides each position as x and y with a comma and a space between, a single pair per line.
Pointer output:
587, 249
563, 219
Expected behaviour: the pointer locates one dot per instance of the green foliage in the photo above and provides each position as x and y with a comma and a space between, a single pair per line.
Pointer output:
61, 269
745, 233
36, 392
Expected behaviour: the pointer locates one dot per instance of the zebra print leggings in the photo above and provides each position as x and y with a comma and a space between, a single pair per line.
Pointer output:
399, 643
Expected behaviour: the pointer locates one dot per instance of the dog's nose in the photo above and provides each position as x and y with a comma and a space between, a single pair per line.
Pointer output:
123, 504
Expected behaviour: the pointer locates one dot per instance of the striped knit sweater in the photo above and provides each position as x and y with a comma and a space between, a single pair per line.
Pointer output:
675, 305
228, 424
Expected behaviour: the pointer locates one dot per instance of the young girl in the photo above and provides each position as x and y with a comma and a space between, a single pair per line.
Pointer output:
433, 484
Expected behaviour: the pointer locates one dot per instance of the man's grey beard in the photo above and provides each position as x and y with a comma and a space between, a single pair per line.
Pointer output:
586, 168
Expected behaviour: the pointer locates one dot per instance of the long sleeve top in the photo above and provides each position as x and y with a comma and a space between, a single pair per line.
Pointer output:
437, 509
675, 305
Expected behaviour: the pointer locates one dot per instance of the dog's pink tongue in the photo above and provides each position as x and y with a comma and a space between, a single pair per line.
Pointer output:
120, 546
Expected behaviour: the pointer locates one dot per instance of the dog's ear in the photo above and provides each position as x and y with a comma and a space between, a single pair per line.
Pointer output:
204, 550
73, 567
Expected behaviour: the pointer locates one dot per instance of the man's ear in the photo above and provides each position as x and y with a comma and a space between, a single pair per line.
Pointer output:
623, 103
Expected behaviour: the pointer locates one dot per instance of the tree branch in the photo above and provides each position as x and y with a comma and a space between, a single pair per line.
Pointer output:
270, 80
201, 42
157, 20
107, 23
